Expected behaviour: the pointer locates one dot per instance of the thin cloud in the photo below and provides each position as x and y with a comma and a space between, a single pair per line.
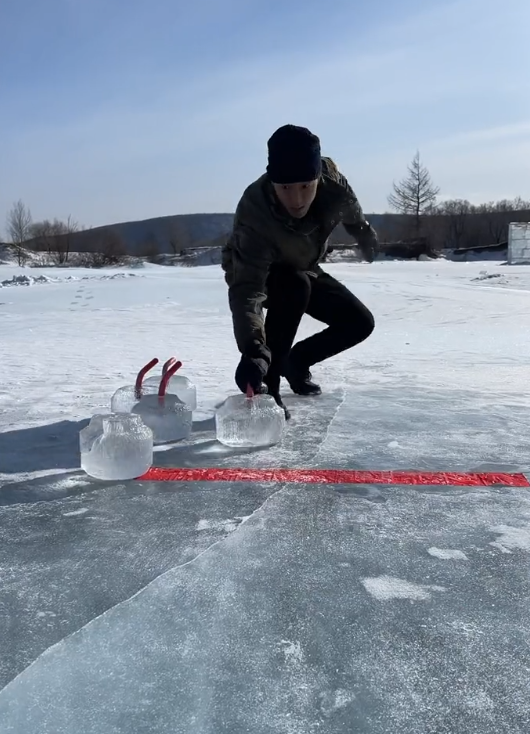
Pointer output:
517, 130
170, 138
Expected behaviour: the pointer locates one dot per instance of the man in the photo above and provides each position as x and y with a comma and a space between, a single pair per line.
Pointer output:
271, 260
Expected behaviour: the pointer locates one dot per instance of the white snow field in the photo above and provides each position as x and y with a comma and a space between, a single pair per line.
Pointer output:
267, 608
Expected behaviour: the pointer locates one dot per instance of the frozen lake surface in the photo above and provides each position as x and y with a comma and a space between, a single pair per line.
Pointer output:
268, 608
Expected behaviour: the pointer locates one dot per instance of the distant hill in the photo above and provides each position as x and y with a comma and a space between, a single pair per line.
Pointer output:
171, 234
168, 234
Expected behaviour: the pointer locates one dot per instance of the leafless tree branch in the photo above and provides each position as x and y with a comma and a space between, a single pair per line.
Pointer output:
415, 194
19, 223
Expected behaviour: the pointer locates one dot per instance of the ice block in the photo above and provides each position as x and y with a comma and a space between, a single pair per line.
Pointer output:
178, 385
250, 420
116, 446
169, 418
127, 396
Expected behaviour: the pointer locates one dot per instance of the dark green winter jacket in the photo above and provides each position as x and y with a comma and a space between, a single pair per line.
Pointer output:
263, 233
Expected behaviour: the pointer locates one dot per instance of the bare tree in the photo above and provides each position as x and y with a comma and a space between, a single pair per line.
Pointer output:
501, 213
149, 248
70, 227
496, 218
456, 212
458, 223
41, 233
19, 229
55, 238
519, 204
509, 205
178, 238
109, 249
416, 194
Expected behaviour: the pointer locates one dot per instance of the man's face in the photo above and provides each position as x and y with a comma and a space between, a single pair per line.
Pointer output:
297, 197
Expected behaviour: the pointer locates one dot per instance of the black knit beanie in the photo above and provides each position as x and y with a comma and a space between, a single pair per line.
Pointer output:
294, 155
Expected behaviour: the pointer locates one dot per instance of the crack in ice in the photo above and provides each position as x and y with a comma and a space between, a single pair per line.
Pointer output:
129, 599
179, 566
330, 424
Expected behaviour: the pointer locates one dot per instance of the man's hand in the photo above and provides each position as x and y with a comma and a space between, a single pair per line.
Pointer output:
251, 371
368, 242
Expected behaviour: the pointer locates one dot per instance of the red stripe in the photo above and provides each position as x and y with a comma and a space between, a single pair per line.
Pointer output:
334, 476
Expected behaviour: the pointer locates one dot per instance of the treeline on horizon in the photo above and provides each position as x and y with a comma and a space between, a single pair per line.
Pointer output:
416, 214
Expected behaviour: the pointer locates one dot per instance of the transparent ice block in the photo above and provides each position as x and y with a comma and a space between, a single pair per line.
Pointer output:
169, 418
250, 421
124, 399
116, 447
127, 396
178, 385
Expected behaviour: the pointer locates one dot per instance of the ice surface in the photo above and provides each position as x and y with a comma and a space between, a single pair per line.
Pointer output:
321, 610
121, 537
256, 421
168, 417
116, 446
178, 385
197, 608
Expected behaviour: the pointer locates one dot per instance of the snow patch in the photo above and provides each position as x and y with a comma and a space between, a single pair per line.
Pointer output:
223, 525
27, 280
479, 701
293, 651
484, 275
114, 276
446, 554
332, 701
17, 280
111, 276
511, 538
384, 588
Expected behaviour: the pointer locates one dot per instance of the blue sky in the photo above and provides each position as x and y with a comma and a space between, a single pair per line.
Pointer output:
113, 110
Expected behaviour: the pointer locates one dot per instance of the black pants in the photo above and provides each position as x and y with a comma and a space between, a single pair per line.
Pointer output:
290, 294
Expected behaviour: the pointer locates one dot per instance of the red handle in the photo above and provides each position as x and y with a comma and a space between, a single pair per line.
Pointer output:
171, 361
165, 379
141, 375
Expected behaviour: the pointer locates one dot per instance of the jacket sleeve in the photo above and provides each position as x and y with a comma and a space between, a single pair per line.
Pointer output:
356, 224
251, 258
352, 216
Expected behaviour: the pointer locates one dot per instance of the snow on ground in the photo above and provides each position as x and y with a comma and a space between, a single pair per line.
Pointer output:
70, 341
192, 608
26, 280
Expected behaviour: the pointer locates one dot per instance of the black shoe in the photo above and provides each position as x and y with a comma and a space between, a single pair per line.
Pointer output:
300, 380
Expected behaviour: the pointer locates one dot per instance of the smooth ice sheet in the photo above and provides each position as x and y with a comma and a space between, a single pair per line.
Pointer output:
333, 609
73, 547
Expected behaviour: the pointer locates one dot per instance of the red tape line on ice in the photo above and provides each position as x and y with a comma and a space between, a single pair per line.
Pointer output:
335, 476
